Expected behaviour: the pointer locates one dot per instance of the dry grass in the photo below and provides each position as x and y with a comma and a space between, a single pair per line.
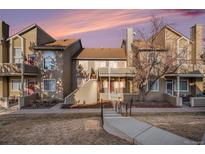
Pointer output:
189, 125
54, 129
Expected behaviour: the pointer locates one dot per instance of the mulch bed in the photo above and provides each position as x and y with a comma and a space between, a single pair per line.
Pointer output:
153, 105
85, 106
41, 105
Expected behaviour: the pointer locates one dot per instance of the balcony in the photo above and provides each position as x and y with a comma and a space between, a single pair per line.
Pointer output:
116, 72
12, 69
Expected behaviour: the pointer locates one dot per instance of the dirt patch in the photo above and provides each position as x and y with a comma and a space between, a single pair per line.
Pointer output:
189, 125
54, 129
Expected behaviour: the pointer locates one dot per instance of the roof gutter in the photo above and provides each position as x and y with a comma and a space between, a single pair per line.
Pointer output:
99, 58
48, 48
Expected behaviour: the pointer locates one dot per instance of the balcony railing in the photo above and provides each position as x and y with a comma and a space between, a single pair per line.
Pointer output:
116, 72
12, 69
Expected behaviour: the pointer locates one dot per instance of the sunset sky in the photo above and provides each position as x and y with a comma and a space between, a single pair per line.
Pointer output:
98, 28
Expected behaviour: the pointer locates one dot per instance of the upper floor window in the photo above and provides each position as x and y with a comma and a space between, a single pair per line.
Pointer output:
31, 58
18, 55
117, 64
100, 64
182, 53
84, 64
49, 60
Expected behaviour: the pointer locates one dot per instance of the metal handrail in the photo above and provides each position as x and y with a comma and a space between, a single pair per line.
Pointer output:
66, 99
102, 108
120, 105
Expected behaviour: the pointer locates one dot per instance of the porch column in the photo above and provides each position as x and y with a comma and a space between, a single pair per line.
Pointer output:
109, 81
178, 100
21, 100
178, 84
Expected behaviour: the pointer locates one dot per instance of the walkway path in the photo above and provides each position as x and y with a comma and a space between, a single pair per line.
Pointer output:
139, 132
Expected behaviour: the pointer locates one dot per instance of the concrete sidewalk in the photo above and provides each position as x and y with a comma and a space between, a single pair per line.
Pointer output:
158, 110
138, 132
57, 109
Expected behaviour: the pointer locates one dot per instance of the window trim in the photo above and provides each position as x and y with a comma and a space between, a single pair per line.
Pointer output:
175, 86
12, 90
49, 90
17, 57
157, 90
44, 63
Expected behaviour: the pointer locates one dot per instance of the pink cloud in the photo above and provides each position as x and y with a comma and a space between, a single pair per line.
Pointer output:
190, 12
80, 21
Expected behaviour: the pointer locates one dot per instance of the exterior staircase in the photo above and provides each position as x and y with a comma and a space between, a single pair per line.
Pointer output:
86, 94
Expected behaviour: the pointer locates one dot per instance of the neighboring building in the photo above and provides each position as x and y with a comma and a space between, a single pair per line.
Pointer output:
189, 77
62, 69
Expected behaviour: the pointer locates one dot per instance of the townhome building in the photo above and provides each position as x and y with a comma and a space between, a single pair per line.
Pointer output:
34, 61
34, 65
187, 82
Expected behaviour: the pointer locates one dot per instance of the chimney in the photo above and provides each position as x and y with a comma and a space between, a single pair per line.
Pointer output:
4, 34
129, 41
196, 36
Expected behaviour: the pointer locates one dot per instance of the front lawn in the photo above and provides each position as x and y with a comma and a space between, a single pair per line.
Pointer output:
189, 125
54, 129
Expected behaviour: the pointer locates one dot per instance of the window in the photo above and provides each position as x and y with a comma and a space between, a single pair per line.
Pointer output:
49, 85
49, 60
152, 57
84, 64
182, 53
100, 64
121, 64
113, 64
31, 87
31, 58
17, 55
183, 85
15, 85
153, 86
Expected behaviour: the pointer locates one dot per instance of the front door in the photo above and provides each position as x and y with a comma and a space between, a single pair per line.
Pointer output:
169, 87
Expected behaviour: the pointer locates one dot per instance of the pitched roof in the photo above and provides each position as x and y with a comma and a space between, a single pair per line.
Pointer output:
101, 54
57, 45
61, 43
171, 29
26, 29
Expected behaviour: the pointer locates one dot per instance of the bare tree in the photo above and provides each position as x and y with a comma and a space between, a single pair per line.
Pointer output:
153, 59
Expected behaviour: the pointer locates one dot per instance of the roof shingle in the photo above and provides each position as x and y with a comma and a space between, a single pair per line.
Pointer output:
61, 43
102, 53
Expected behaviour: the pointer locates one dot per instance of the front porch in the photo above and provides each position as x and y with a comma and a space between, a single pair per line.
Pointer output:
11, 92
185, 89
113, 83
